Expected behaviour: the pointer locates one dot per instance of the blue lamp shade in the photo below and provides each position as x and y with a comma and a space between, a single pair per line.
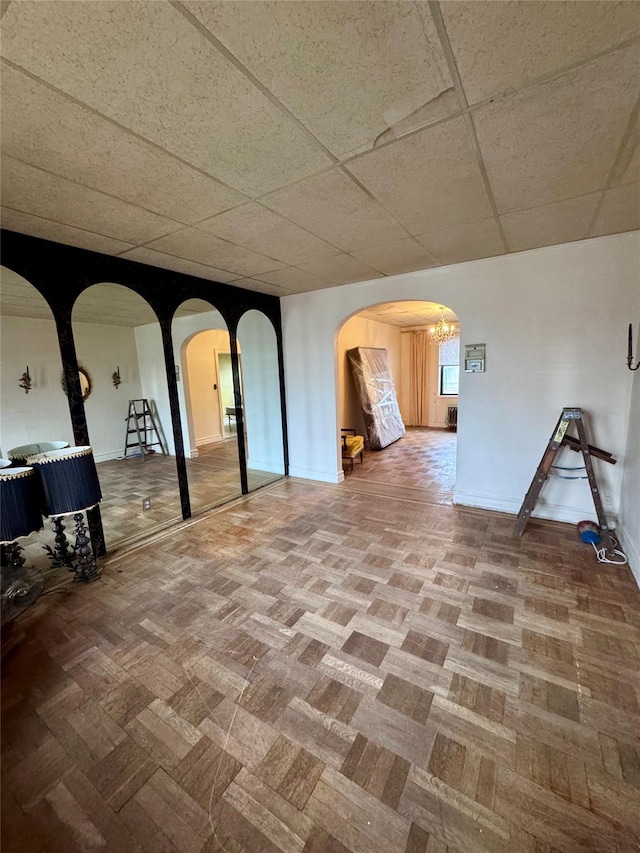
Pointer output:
19, 503
69, 480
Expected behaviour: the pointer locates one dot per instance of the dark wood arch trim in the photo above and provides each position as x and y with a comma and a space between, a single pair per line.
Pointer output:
62, 273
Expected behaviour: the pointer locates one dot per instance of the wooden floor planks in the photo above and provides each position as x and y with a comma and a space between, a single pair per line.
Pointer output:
320, 670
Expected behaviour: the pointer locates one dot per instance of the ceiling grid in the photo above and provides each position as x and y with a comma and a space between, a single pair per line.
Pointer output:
464, 130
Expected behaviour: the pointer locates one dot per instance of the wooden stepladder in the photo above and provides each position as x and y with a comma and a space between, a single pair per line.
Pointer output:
140, 422
559, 438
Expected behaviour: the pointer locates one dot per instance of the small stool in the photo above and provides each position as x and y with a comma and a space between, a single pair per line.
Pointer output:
352, 446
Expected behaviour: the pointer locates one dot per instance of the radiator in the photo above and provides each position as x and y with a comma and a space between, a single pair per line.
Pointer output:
452, 418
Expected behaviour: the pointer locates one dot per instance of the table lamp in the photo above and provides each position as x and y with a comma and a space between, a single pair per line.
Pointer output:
19, 516
19, 455
70, 486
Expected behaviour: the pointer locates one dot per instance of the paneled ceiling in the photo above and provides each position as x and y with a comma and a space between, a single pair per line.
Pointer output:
104, 304
291, 146
407, 314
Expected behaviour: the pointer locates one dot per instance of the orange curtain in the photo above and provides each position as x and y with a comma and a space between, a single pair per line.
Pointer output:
419, 375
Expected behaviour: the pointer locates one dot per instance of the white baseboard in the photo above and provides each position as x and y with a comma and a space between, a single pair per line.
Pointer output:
209, 439
552, 512
632, 550
312, 474
266, 467
111, 454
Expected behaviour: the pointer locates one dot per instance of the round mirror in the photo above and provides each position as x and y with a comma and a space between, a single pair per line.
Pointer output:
85, 383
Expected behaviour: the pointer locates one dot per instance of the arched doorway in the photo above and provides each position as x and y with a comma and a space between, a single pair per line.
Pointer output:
118, 343
424, 366
232, 424
262, 403
202, 354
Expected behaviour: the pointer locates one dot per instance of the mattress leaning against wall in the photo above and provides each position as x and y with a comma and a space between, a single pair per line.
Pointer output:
377, 393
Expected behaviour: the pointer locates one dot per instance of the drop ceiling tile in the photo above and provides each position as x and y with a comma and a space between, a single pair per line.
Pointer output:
430, 180
342, 269
47, 129
500, 46
197, 306
262, 230
261, 286
558, 140
349, 71
332, 206
148, 68
296, 280
194, 245
145, 255
20, 290
408, 314
34, 310
397, 257
112, 305
35, 226
465, 242
619, 211
34, 191
627, 168
550, 224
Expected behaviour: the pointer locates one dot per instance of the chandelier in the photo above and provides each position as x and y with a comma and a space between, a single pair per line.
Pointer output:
442, 331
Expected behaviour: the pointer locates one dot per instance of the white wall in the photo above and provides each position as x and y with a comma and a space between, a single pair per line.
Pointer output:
360, 332
261, 384
153, 381
43, 413
100, 349
182, 329
257, 344
630, 502
554, 322
153, 374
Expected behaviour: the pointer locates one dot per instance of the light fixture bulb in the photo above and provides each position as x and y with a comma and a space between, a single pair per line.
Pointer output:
442, 331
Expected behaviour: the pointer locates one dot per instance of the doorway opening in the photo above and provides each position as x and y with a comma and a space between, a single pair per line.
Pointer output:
422, 464
208, 385
221, 463
200, 338
227, 397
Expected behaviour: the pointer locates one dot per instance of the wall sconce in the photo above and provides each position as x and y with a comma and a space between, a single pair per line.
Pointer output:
26, 381
115, 378
629, 351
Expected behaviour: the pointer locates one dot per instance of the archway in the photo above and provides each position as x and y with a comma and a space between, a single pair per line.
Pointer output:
262, 403
118, 343
202, 354
425, 374
32, 399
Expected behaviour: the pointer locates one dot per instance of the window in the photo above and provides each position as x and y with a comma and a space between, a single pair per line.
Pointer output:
449, 362
449, 380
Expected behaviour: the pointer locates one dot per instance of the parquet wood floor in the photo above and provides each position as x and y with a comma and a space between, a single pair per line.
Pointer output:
420, 466
321, 671
214, 478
